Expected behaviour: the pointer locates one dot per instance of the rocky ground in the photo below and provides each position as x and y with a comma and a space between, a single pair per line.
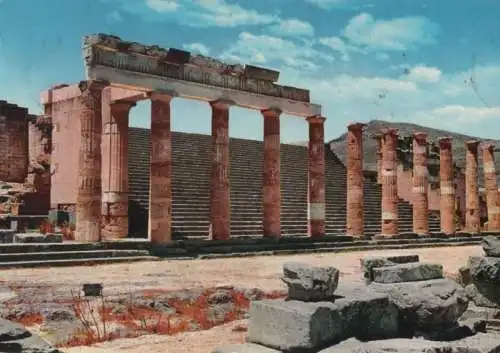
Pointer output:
192, 305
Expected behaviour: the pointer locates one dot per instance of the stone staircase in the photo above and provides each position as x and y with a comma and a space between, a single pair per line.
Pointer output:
191, 168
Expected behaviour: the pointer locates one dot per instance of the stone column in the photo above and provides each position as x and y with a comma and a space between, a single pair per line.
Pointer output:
316, 177
446, 186
89, 192
472, 213
378, 139
115, 167
160, 187
220, 207
490, 184
355, 180
420, 184
271, 174
389, 183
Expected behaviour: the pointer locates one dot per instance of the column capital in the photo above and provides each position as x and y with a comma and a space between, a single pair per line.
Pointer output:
164, 96
445, 142
91, 85
271, 112
315, 119
472, 144
420, 137
222, 103
488, 146
356, 126
389, 131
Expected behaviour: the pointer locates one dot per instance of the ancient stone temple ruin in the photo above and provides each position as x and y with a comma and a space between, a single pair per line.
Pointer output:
116, 181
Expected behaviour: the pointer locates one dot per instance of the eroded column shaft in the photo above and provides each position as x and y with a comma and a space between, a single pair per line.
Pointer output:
491, 186
355, 180
89, 192
220, 207
115, 167
160, 198
472, 213
420, 185
271, 174
389, 183
316, 178
378, 139
447, 186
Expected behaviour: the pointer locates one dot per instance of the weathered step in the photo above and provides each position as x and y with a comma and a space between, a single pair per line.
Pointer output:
75, 262
73, 255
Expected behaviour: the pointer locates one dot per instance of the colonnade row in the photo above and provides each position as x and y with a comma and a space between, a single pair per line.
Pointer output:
102, 195
387, 176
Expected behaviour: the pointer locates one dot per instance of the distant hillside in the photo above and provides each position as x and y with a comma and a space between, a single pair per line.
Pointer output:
373, 127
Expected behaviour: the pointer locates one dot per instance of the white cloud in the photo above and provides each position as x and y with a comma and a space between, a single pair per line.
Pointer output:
395, 34
422, 73
348, 4
163, 6
464, 114
197, 48
381, 56
293, 27
275, 51
339, 45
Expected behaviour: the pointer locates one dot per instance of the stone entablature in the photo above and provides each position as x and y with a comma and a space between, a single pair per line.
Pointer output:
179, 72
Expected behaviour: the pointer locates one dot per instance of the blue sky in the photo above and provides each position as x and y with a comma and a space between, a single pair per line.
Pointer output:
435, 63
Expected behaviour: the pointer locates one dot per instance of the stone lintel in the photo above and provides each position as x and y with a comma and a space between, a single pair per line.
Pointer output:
316, 119
205, 92
356, 126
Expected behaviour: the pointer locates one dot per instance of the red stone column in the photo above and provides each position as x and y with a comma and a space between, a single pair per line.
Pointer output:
316, 178
472, 213
220, 207
389, 183
355, 180
420, 184
446, 186
271, 174
89, 192
115, 167
490, 184
160, 194
378, 139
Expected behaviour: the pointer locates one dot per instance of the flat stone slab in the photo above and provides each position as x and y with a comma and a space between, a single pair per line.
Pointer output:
300, 326
479, 343
245, 348
369, 263
408, 272
491, 246
7, 236
38, 238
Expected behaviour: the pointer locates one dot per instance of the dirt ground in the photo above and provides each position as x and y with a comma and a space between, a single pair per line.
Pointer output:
255, 272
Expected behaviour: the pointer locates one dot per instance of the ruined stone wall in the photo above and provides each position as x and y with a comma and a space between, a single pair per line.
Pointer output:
65, 150
13, 142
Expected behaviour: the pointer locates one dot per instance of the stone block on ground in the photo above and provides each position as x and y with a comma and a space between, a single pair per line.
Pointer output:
491, 246
290, 325
15, 338
485, 287
38, 238
480, 343
308, 283
7, 236
369, 263
426, 304
244, 348
409, 272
